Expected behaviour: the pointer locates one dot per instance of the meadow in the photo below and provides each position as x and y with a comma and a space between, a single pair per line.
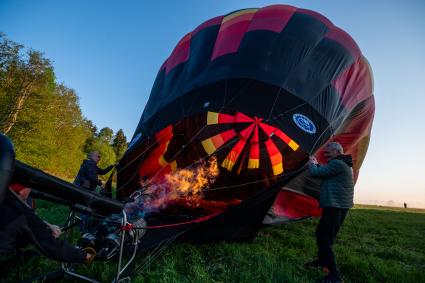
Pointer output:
376, 244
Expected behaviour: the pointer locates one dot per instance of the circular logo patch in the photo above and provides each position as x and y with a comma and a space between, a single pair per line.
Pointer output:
304, 123
133, 141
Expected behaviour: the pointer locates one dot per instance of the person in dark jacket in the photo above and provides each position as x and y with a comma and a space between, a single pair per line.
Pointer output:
336, 198
88, 178
88, 175
20, 227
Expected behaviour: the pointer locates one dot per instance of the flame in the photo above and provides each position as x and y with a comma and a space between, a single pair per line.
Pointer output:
186, 184
186, 181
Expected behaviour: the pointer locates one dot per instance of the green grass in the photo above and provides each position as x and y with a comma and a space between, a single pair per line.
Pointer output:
375, 244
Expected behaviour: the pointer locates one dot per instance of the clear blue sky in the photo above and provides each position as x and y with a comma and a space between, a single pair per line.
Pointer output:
110, 52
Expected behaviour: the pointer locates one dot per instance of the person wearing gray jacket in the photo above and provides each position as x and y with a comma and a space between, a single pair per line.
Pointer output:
336, 198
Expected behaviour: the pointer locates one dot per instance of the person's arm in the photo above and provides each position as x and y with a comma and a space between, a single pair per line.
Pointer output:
25, 227
56, 230
326, 171
101, 171
40, 234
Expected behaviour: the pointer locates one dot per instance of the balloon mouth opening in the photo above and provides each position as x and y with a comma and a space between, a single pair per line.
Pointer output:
203, 164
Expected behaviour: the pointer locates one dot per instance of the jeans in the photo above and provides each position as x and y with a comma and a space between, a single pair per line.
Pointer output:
329, 225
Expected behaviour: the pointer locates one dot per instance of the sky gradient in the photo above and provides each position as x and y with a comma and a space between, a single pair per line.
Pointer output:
110, 52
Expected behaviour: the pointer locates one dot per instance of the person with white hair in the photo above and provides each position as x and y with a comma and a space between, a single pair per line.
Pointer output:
88, 175
336, 198
88, 178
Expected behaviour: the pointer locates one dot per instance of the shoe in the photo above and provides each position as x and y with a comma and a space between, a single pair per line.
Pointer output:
329, 279
312, 264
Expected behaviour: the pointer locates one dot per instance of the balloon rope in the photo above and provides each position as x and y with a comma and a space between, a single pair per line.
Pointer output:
197, 220
221, 148
141, 160
197, 133
131, 227
136, 171
156, 252
192, 139
274, 103
257, 181
181, 149
134, 159
145, 151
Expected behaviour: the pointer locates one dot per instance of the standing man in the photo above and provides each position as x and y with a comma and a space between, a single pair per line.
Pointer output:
88, 178
88, 175
336, 198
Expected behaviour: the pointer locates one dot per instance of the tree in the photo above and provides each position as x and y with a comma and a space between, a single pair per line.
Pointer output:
92, 127
51, 132
92, 136
106, 134
119, 143
20, 78
27, 93
70, 132
43, 118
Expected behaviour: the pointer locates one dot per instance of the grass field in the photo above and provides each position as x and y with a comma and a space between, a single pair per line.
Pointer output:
376, 244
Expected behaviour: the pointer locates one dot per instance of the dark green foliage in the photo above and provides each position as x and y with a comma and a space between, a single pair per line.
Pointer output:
374, 245
119, 143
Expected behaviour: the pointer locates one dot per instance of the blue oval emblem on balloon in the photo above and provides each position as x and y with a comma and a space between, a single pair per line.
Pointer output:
134, 140
304, 123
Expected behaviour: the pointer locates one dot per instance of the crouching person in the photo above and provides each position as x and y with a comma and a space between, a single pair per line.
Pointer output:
20, 227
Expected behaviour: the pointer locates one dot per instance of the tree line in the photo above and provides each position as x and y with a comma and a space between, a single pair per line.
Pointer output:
43, 118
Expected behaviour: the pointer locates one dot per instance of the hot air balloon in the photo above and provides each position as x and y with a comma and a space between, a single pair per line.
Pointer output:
256, 91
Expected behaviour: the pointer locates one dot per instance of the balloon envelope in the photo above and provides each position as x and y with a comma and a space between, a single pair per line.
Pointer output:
241, 103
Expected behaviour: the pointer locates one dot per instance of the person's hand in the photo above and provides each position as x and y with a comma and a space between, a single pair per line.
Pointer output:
90, 254
56, 230
313, 160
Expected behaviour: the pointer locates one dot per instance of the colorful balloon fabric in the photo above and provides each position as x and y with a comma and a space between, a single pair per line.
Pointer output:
254, 93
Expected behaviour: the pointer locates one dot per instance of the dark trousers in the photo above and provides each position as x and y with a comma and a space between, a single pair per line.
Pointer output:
330, 222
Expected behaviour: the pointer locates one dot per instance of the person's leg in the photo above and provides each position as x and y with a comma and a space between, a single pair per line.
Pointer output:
323, 237
342, 213
338, 216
